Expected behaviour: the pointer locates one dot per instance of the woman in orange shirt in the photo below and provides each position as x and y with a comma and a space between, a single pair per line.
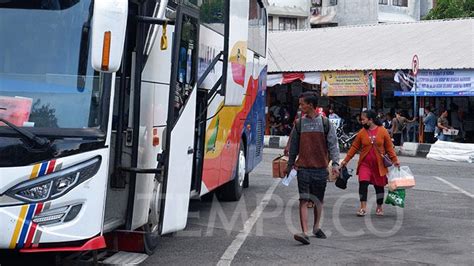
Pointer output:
373, 141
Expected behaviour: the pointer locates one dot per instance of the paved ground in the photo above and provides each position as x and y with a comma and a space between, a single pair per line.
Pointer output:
435, 227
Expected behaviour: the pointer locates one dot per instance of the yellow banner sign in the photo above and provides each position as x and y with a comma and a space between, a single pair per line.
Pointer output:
347, 83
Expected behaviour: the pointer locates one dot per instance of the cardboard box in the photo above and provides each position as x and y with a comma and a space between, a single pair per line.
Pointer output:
401, 183
452, 132
279, 166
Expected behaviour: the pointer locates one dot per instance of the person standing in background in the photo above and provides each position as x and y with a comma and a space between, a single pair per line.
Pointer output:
399, 125
387, 123
429, 122
456, 119
333, 115
443, 124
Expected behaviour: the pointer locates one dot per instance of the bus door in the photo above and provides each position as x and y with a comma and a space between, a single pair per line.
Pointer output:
180, 133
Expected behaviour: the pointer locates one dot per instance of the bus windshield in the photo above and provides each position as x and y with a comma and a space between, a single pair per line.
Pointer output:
45, 81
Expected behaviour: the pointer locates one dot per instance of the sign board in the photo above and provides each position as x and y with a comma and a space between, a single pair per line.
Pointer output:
346, 83
444, 83
415, 63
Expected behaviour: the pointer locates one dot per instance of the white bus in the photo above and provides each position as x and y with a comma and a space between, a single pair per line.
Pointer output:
114, 113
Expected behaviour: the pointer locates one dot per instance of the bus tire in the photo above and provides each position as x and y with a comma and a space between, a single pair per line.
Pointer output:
151, 239
232, 191
209, 197
246, 180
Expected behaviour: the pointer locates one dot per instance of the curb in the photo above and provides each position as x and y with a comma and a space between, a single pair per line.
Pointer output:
275, 141
410, 149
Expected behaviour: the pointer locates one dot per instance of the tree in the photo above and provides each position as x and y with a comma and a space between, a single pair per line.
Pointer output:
43, 115
446, 9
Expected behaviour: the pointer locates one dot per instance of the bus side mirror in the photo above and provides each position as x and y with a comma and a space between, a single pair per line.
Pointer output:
109, 24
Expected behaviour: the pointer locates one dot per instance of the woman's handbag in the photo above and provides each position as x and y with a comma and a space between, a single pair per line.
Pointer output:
387, 162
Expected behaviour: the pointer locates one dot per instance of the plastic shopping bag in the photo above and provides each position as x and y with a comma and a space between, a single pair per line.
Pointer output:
286, 181
400, 177
396, 198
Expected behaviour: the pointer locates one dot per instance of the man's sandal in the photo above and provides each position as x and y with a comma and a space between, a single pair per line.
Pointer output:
379, 212
361, 213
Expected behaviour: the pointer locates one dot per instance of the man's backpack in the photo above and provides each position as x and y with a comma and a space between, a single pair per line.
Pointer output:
325, 126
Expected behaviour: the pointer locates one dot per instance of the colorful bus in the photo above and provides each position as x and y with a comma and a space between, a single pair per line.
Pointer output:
115, 113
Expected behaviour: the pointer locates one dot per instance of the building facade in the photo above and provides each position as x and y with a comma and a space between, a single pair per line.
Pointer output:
288, 15
327, 13
339, 63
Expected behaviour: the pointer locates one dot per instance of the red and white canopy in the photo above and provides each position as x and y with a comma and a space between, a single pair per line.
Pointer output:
285, 78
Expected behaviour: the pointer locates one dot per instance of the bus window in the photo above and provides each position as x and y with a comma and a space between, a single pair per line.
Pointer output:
187, 62
212, 14
257, 28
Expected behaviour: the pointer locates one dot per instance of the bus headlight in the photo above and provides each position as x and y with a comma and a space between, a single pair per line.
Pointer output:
39, 192
56, 184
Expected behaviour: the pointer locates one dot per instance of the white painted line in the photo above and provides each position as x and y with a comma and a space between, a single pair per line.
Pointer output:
455, 187
231, 251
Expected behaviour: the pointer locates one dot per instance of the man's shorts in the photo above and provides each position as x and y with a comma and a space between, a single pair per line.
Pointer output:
312, 183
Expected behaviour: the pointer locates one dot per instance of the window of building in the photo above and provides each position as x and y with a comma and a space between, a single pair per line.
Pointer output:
383, 2
332, 2
257, 28
288, 23
400, 2
316, 3
270, 23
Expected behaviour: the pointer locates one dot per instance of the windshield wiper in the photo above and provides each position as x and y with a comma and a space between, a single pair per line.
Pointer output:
40, 142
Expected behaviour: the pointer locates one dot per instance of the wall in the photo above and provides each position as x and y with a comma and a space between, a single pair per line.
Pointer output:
297, 3
425, 7
356, 12
412, 10
303, 22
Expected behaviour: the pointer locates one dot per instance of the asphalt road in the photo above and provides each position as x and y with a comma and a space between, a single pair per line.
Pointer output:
435, 227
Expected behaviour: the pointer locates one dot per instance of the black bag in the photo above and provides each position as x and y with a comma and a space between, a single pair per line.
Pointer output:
341, 181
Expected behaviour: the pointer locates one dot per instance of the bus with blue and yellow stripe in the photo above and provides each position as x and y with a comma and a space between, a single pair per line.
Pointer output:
115, 113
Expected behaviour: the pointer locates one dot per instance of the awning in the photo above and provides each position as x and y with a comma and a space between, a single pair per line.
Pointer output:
285, 78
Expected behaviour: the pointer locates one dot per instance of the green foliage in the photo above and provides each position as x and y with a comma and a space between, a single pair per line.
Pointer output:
212, 11
43, 115
446, 9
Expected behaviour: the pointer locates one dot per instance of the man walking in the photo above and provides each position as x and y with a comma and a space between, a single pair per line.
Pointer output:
429, 120
314, 141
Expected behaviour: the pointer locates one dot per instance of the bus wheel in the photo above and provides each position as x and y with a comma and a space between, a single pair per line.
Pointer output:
232, 191
151, 228
246, 181
151, 239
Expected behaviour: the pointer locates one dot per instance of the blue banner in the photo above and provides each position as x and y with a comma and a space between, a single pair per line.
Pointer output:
435, 94
436, 83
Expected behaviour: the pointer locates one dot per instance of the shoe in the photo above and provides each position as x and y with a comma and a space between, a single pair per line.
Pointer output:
303, 238
319, 234
361, 213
